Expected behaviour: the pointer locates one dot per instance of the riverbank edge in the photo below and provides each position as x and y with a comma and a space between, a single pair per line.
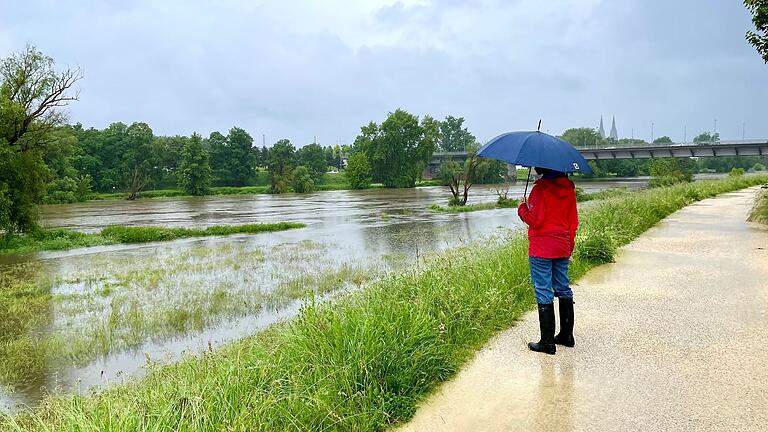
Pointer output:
63, 239
364, 361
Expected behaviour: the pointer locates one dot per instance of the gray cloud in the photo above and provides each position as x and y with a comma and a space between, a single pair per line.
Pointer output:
305, 68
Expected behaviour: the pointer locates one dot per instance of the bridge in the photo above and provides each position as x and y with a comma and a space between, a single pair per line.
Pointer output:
722, 148
678, 150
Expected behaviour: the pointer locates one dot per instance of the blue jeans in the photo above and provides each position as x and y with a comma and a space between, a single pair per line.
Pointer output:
550, 275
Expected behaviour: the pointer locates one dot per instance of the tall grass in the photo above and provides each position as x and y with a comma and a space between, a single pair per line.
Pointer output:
363, 362
759, 212
60, 239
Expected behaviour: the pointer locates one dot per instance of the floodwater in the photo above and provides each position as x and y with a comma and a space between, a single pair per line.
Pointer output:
116, 309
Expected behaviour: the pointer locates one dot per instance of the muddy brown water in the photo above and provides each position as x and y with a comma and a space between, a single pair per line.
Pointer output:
378, 230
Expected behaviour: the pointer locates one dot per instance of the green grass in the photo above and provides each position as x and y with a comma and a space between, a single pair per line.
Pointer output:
581, 196
364, 361
510, 203
759, 212
60, 239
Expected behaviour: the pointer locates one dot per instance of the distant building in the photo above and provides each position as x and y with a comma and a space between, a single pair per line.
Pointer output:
614, 133
601, 131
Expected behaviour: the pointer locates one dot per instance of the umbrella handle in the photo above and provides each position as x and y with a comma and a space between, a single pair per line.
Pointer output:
526, 183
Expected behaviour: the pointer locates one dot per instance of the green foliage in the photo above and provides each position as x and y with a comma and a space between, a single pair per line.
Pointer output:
400, 148
669, 171
736, 172
302, 180
31, 93
313, 157
758, 167
232, 157
581, 137
454, 137
706, 138
124, 234
503, 202
364, 361
280, 165
582, 196
358, 171
68, 190
22, 185
195, 170
663, 140
759, 37
59, 239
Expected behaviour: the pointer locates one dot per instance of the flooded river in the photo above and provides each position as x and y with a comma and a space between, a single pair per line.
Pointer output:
113, 310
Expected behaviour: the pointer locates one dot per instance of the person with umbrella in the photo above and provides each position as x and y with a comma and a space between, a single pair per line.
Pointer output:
552, 218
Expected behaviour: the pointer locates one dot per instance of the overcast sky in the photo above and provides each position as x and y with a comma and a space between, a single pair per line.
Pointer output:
303, 68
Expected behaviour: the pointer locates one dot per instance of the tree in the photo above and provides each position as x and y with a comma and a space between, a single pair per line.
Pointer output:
399, 148
581, 137
759, 39
138, 160
194, 169
358, 171
663, 140
31, 93
454, 138
459, 177
280, 166
302, 180
232, 157
313, 158
668, 171
707, 138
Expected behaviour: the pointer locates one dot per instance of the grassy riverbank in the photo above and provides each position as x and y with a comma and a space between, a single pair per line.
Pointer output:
59, 239
759, 212
364, 361
581, 196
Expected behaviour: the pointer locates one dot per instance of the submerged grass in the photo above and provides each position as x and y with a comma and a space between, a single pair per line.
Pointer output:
364, 361
60, 239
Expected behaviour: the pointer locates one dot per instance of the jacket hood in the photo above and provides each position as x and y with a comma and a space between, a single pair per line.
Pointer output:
561, 186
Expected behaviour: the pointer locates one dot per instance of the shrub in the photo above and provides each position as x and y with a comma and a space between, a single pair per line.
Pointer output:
358, 171
736, 172
302, 180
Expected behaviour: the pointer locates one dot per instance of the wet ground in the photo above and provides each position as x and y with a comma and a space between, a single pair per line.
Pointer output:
115, 309
672, 337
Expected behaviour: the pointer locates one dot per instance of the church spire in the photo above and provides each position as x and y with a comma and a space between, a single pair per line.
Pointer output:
601, 131
614, 133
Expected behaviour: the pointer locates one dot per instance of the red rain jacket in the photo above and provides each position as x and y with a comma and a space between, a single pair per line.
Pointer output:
551, 217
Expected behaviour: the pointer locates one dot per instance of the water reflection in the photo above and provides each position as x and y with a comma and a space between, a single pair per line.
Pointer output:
128, 303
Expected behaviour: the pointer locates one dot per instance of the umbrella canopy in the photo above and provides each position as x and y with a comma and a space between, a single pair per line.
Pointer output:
532, 149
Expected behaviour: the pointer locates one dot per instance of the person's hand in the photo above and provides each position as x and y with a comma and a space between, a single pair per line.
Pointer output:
524, 200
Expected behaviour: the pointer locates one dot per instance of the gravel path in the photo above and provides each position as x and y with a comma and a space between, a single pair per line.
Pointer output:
672, 337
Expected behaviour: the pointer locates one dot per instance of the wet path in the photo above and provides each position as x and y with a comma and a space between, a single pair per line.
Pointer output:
674, 336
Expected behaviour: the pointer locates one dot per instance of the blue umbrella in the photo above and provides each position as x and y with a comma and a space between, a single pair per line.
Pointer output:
535, 149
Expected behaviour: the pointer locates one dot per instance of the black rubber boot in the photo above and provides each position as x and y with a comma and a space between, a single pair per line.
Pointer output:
565, 337
547, 326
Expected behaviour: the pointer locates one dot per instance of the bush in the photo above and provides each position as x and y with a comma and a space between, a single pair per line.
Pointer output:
358, 171
736, 172
758, 167
507, 202
302, 180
